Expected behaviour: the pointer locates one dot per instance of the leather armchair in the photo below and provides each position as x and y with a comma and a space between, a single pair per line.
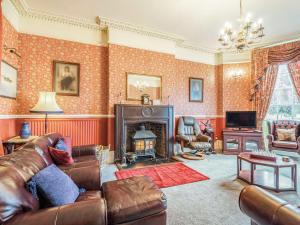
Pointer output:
264, 208
275, 144
189, 133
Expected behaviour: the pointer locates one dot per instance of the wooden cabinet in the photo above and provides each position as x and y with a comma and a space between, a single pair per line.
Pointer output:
236, 141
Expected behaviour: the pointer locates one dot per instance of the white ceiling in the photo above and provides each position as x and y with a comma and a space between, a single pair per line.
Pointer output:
196, 21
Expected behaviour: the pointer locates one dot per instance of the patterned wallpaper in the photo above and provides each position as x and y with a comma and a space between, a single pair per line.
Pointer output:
103, 77
175, 78
10, 39
236, 90
36, 71
184, 70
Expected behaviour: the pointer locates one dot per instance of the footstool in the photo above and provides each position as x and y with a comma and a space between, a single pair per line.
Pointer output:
135, 201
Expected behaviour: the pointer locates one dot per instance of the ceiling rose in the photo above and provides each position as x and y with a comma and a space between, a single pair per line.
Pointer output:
248, 33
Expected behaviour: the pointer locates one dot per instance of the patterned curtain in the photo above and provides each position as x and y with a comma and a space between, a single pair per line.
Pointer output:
1, 33
294, 68
264, 70
264, 93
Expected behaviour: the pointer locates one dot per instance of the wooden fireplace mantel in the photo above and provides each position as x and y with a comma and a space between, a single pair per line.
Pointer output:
135, 114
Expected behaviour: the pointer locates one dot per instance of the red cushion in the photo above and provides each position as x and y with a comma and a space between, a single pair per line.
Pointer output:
61, 157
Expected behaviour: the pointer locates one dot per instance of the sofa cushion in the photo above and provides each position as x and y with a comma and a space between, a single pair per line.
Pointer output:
89, 195
132, 199
55, 186
285, 144
14, 198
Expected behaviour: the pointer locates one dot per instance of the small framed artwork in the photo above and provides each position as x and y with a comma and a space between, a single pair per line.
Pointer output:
66, 77
139, 85
8, 80
196, 89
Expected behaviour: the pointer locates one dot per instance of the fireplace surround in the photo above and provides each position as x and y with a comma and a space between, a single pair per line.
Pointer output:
157, 119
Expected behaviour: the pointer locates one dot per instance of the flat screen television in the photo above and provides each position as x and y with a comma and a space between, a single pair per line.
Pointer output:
241, 119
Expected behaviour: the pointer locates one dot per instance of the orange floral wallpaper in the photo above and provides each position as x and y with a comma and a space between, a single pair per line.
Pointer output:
184, 70
103, 77
36, 72
175, 78
236, 90
10, 39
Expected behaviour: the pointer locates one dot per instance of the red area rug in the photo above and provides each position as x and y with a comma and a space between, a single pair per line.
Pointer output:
166, 175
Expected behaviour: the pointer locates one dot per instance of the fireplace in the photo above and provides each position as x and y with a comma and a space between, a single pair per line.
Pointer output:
143, 142
133, 120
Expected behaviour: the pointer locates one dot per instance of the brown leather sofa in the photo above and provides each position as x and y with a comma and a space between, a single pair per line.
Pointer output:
274, 144
190, 135
265, 209
128, 202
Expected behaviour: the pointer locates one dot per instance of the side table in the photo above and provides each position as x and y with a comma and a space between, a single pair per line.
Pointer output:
11, 144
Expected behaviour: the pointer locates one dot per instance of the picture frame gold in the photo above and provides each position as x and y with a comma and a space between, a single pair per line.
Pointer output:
149, 84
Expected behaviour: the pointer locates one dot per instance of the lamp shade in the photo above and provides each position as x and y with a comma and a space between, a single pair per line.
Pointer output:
46, 104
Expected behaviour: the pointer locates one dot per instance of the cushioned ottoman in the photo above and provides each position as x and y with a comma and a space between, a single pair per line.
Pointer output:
136, 200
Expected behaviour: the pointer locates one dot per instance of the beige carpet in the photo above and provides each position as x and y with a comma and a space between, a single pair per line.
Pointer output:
211, 202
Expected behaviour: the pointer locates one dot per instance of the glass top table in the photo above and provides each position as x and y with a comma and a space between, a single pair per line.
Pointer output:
266, 173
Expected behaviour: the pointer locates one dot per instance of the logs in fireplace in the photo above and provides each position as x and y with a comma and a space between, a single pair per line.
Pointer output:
156, 138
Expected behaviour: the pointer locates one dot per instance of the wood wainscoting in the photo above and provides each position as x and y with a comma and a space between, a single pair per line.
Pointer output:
83, 131
7, 129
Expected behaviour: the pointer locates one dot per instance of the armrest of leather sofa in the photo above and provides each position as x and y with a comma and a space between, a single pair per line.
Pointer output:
264, 208
203, 138
92, 212
87, 177
84, 150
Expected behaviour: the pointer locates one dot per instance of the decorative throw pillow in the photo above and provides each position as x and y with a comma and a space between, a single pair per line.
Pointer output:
65, 144
61, 157
62, 151
54, 186
286, 134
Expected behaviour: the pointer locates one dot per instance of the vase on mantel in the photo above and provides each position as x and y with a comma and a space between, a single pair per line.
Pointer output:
25, 130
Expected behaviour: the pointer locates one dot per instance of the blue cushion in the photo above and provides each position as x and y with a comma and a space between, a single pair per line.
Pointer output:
61, 145
54, 186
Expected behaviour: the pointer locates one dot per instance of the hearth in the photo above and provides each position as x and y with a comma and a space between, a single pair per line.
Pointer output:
144, 131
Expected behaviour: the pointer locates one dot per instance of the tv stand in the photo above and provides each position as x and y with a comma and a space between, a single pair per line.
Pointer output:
237, 141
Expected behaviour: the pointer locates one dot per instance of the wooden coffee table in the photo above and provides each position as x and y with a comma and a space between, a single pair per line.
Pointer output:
268, 175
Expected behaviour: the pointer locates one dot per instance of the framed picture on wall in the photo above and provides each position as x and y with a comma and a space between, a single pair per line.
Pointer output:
196, 89
66, 77
139, 85
8, 80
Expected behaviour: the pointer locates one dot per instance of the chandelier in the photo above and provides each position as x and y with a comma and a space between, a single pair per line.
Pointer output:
249, 33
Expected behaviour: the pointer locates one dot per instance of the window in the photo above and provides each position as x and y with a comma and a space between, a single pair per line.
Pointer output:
285, 103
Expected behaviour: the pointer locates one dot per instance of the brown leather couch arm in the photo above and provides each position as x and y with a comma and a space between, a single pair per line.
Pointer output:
264, 208
270, 138
84, 150
91, 212
203, 138
86, 177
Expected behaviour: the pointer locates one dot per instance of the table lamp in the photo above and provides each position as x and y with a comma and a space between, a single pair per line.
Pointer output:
46, 105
